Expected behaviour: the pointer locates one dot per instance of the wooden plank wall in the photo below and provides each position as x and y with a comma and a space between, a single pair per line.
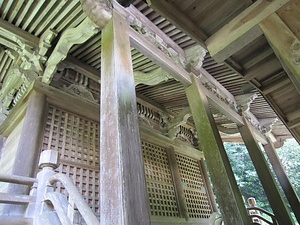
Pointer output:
8, 154
77, 140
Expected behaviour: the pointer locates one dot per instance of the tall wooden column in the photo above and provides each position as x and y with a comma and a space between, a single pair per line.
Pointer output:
28, 150
123, 194
283, 179
267, 180
228, 194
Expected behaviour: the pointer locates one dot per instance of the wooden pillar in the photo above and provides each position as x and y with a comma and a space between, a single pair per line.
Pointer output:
123, 194
227, 192
284, 181
181, 200
273, 194
208, 187
28, 150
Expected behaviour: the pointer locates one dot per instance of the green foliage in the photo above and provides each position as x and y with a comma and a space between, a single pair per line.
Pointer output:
247, 178
245, 174
289, 154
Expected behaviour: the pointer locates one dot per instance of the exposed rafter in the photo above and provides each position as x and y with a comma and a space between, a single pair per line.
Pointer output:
241, 30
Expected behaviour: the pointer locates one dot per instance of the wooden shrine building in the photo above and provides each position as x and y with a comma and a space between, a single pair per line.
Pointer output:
110, 109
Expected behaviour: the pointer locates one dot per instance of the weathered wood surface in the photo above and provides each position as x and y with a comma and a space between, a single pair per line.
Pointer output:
15, 199
225, 186
175, 16
181, 200
123, 186
268, 182
241, 30
16, 179
29, 145
285, 44
283, 179
15, 220
208, 186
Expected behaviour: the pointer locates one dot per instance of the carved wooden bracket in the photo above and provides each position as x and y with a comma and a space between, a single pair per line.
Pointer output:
152, 78
70, 37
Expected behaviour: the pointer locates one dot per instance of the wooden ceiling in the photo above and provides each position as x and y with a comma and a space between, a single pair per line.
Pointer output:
254, 68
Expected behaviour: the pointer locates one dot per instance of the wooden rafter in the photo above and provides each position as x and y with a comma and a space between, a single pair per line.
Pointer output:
241, 30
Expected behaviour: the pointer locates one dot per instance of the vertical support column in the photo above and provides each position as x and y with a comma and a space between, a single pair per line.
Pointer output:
284, 181
183, 209
208, 186
273, 194
225, 186
123, 193
28, 149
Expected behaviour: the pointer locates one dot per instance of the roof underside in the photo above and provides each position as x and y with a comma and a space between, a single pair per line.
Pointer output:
253, 69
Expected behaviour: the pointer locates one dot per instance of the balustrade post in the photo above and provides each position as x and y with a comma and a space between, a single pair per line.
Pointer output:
48, 163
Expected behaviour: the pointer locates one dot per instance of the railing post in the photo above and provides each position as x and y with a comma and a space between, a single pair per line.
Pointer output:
48, 162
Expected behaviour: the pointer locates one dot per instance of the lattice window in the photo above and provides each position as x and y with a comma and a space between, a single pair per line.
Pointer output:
194, 189
160, 187
77, 141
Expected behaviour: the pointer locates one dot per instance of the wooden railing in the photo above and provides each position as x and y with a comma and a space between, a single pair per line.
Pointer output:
13, 198
75, 200
259, 216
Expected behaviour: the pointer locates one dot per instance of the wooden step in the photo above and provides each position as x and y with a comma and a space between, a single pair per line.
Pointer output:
16, 199
14, 220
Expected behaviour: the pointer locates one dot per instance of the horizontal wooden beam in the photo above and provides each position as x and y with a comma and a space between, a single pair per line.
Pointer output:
83, 68
10, 31
172, 14
17, 179
242, 29
294, 123
148, 49
275, 85
15, 199
285, 45
14, 220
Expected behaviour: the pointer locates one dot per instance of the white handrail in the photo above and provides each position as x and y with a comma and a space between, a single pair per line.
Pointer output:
77, 198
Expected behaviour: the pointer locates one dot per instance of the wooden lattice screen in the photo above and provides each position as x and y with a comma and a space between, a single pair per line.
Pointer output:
160, 187
194, 187
77, 140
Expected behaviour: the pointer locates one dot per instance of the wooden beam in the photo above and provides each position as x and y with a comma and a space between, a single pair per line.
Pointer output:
148, 49
285, 45
264, 173
10, 31
241, 30
123, 190
283, 179
172, 14
225, 186
131, 13
83, 68
17, 179
15, 199
152, 52
275, 85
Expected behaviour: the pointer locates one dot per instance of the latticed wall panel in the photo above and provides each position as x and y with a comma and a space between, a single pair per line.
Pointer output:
162, 198
77, 141
193, 187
